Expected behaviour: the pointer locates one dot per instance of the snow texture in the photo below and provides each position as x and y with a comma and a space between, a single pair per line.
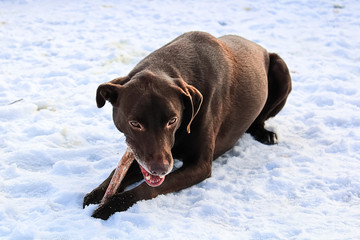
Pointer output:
56, 146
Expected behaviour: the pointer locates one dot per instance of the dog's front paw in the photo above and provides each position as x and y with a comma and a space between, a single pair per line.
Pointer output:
117, 203
93, 197
103, 212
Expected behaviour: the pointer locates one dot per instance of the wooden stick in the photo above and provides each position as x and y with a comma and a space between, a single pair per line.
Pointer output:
119, 174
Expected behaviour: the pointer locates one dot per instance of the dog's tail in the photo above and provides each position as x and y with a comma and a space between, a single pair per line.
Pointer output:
279, 82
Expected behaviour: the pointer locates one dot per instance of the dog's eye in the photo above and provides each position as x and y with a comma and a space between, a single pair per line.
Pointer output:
135, 124
172, 121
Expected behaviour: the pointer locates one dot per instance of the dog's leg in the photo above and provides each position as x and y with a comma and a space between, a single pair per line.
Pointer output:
95, 196
133, 175
182, 178
279, 87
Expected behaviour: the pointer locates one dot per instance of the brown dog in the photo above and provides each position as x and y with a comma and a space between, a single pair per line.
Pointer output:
191, 99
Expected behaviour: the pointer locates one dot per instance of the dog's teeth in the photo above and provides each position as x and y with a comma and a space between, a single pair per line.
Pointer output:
148, 177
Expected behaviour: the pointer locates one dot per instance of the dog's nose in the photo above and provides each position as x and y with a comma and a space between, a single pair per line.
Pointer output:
159, 169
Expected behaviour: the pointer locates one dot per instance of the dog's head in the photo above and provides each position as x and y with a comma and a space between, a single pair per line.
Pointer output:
149, 108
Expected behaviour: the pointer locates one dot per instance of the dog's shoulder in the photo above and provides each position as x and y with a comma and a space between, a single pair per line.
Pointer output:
192, 40
198, 37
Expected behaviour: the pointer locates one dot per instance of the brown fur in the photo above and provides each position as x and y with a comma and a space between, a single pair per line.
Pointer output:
217, 88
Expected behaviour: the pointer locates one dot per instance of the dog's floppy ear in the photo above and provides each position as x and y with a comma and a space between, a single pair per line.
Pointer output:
109, 91
196, 99
193, 99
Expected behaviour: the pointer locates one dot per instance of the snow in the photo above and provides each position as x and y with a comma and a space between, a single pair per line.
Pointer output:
56, 146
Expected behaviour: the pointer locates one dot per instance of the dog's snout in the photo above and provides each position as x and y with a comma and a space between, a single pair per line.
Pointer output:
159, 164
159, 169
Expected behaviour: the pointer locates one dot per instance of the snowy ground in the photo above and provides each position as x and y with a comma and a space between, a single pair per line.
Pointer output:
55, 145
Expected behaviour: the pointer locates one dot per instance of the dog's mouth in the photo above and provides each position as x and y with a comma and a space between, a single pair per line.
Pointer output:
150, 179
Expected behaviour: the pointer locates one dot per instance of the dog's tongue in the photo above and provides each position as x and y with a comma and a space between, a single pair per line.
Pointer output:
152, 180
